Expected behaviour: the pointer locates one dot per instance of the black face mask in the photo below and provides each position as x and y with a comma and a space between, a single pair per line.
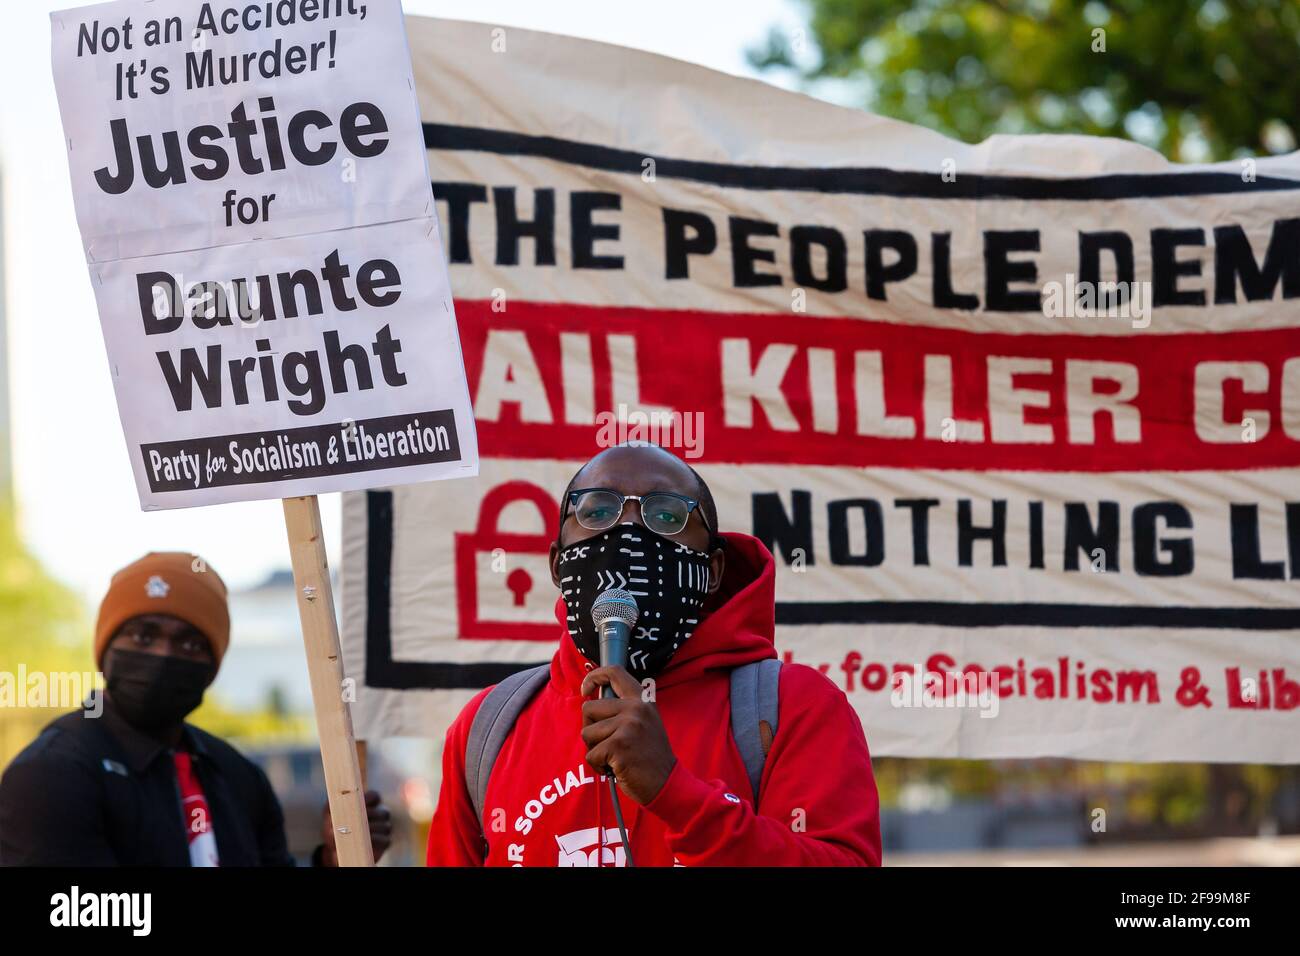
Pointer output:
155, 691
669, 581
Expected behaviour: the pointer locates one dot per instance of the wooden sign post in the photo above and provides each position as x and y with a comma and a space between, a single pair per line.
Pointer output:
320, 634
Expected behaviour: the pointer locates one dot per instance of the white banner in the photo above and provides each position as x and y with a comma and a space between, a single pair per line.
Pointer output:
1027, 411
259, 228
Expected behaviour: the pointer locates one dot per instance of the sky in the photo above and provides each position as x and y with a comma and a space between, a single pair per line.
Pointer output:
78, 508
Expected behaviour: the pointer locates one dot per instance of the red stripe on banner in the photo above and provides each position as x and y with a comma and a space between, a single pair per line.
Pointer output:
527, 407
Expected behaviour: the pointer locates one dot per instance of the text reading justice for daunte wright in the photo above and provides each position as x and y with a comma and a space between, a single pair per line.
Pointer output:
254, 144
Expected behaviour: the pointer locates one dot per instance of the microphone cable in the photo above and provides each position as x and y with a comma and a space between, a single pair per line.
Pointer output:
618, 815
607, 692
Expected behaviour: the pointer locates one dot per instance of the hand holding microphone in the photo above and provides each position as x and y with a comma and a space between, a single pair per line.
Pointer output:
623, 732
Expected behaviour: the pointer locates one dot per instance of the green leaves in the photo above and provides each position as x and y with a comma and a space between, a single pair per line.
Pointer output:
1198, 81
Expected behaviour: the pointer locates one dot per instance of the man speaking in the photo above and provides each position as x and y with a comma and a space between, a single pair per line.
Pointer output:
722, 756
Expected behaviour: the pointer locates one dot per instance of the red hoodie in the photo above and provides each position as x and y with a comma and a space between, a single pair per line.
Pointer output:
817, 803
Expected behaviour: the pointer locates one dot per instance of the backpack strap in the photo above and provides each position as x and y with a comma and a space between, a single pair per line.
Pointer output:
754, 702
492, 722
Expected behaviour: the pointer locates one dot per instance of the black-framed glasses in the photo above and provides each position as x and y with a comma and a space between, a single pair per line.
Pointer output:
663, 512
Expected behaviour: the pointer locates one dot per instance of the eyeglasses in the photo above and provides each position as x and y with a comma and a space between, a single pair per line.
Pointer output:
663, 512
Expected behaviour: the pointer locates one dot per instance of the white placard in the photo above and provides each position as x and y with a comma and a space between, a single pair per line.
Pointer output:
254, 200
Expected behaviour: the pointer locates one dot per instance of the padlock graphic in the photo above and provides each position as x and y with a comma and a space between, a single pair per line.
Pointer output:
503, 579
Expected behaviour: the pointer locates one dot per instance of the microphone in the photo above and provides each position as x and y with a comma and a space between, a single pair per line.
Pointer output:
614, 613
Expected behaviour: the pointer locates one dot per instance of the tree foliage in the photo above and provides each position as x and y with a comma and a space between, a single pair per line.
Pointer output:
1196, 79
42, 622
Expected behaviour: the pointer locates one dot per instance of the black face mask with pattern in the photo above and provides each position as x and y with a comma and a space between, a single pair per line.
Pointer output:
669, 581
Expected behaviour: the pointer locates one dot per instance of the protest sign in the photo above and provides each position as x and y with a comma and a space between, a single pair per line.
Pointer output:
259, 229
1027, 410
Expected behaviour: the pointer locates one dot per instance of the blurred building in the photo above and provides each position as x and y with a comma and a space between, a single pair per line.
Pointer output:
265, 668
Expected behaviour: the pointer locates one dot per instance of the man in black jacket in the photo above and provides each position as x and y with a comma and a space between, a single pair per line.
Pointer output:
130, 783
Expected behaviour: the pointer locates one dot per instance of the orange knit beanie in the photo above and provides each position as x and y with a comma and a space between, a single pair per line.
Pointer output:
166, 582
